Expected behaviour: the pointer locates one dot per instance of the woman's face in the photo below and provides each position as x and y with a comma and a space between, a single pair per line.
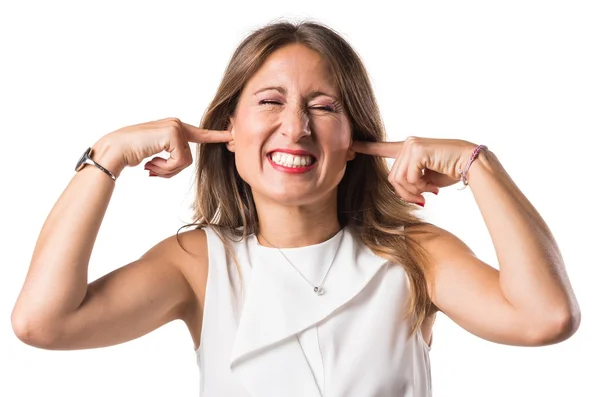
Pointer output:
291, 136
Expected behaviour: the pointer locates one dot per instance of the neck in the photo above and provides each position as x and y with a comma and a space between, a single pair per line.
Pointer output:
296, 226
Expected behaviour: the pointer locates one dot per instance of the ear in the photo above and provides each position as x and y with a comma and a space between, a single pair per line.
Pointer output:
231, 144
350, 154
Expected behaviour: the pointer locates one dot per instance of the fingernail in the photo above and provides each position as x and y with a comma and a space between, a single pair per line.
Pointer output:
153, 174
436, 193
421, 204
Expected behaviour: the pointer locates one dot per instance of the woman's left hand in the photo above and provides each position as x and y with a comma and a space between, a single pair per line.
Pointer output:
421, 164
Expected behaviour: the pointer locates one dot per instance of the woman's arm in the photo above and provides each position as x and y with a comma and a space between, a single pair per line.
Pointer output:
56, 308
529, 301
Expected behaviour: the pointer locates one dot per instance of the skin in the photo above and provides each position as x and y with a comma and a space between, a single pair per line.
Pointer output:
301, 207
527, 302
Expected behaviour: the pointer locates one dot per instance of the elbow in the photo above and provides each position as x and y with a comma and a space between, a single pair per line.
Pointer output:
32, 332
558, 326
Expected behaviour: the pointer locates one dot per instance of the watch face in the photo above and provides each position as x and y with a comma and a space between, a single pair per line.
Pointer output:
81, 161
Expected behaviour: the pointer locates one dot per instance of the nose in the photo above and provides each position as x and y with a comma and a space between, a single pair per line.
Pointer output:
295, 124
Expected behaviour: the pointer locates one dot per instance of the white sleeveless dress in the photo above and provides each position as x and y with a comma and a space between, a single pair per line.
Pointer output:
274, 336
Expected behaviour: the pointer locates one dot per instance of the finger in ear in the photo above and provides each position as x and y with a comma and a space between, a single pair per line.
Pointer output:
350, 155
231, 144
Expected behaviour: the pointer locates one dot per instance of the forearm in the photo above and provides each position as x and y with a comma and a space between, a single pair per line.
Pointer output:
56, 282
532, 273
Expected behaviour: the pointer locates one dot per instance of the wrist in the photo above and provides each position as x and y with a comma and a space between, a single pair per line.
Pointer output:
463, 160
475, 157
108, 156
483, 161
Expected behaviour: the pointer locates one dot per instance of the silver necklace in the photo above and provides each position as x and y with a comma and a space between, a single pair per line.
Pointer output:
317, 289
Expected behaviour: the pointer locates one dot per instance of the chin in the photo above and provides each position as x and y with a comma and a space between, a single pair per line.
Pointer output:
292, 196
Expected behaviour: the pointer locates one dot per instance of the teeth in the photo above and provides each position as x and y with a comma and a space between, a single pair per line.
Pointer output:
290, 160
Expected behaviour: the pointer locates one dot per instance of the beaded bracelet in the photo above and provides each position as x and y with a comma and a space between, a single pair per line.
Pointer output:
463, 173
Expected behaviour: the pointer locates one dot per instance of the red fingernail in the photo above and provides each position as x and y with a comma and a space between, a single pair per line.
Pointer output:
436, 193
422, 205
153, 174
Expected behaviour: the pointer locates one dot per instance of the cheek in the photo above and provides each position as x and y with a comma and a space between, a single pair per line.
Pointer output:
337, 135
250, 137
252, 125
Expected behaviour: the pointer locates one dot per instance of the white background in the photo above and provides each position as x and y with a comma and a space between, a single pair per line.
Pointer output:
519, 76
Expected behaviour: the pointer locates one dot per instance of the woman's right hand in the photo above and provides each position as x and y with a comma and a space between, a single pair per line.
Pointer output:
132, 144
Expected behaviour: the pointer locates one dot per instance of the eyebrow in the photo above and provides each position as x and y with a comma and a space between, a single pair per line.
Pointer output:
283, 91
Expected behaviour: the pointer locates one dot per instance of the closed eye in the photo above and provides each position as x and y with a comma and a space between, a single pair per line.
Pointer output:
325, 108
322, 108
268, 102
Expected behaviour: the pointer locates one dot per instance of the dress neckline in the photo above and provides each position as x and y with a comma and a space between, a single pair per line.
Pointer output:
311, 260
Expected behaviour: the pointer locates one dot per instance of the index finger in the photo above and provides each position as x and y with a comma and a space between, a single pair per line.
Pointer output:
382, 149
201, 135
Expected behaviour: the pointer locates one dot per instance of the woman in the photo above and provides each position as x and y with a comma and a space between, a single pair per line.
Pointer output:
310, 273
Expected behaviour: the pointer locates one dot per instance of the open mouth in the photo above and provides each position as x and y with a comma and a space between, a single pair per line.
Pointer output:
290, 160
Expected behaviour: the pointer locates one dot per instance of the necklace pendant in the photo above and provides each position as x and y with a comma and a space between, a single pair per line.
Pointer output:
319, 290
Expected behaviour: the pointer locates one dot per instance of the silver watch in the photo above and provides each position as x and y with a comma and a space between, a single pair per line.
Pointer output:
86, 159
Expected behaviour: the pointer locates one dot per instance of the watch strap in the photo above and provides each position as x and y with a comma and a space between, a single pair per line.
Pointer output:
88, 160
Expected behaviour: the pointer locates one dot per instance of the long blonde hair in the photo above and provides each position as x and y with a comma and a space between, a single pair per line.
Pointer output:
366, 199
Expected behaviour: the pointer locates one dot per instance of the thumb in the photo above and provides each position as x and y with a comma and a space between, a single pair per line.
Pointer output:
437, 180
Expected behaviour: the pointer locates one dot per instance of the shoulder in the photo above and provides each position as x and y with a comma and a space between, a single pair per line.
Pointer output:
193, 250
446, 256
438, 243
182, 247
187, 253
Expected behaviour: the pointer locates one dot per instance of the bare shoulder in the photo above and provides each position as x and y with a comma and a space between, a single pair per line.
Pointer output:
166, 283
427, 232
189, 248
447, 258
186, 254
444, 253
440, 244
189, 251
468, 290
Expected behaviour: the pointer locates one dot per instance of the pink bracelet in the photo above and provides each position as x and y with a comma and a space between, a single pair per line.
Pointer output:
463, 173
